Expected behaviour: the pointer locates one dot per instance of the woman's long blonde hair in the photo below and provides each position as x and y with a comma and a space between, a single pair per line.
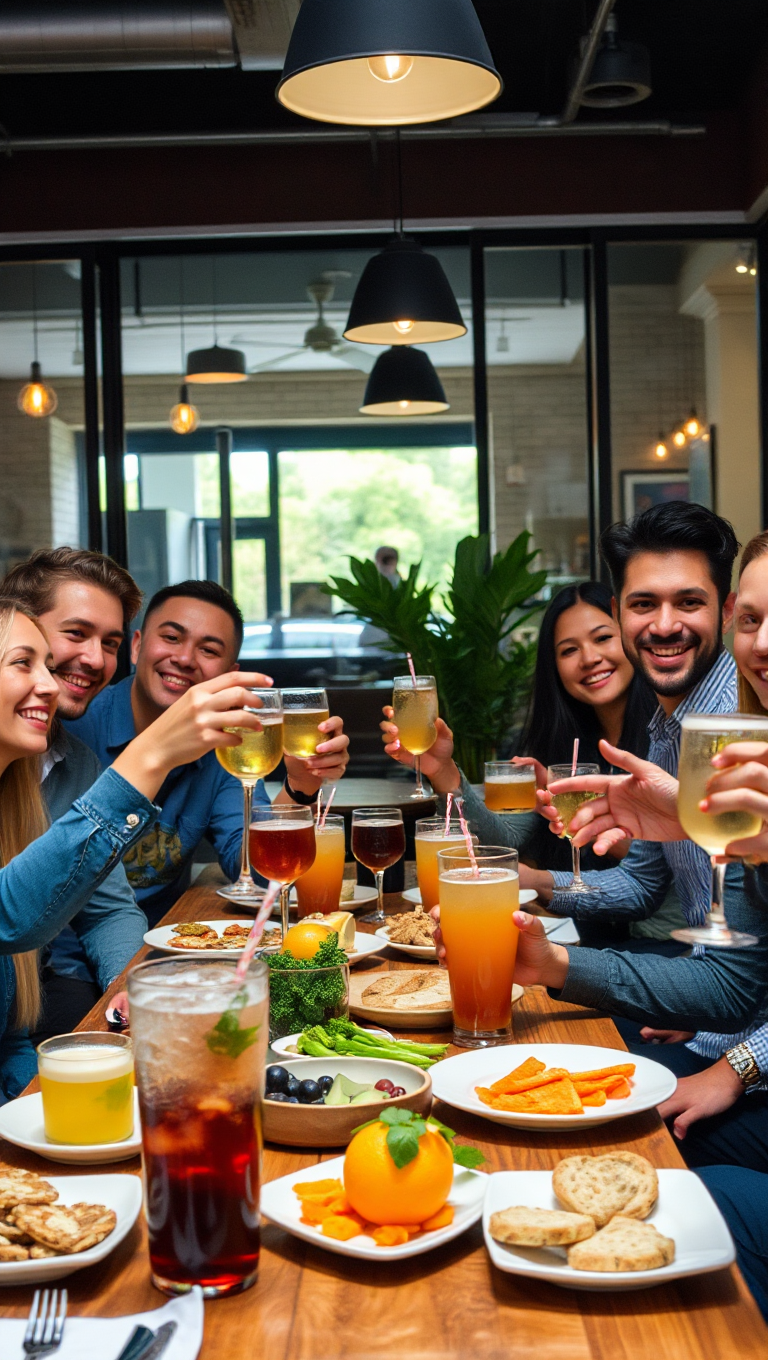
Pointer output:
22, 819
748, 700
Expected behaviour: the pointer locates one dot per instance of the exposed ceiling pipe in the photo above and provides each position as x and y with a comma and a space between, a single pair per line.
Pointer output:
114, 35
583, 71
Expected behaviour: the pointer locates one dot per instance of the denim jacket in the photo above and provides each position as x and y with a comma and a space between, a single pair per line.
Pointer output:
48, 883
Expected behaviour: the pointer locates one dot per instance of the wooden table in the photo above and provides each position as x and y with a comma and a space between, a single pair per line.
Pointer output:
451, 1302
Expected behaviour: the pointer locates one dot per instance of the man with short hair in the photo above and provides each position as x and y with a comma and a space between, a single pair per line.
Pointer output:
191, 632
85, 602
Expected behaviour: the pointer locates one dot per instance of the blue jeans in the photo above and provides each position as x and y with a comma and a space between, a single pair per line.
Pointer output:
742, 1197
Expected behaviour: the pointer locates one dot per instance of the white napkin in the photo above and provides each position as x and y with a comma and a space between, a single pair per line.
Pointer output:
103, 1338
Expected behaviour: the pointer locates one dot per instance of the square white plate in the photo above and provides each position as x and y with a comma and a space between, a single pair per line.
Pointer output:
684, 1211
121, 1193
21, 1122
454, 1081
279, 1203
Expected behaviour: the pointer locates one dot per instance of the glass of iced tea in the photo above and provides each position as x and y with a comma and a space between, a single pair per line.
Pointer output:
319, 889
86, 1080
477, 902
378, 842
303, 711
200, 1039
431, 837
282, 847
258, 754
509, 787
414, 700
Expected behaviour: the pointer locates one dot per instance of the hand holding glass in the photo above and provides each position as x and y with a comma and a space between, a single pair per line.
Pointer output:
567, 805
509, 787
258, 754
414, 700
303, 711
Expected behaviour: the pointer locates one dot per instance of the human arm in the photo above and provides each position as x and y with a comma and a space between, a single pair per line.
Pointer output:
326, 766
18, 1063
641, 805
437, 763
110, 927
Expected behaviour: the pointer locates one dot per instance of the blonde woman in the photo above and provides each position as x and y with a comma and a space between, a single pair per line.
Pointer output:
48, 875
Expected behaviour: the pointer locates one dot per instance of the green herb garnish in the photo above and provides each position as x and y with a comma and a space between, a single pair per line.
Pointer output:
406, 1128
227, 1038
298, 1002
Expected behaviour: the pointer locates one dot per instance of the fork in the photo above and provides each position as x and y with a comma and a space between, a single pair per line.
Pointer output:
45, 1326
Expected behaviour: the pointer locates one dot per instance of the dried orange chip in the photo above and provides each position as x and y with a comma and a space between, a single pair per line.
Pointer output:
391, 1235
442, 1219
558, 1097
530, 1068
315, 1213
329, 1187
507, 1086
620, 1091
341, 1227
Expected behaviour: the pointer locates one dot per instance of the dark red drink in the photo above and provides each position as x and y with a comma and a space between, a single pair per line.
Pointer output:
282, 850
378, 844
201, 1165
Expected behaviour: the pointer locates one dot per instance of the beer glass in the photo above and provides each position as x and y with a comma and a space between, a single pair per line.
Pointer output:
86, 1080
378, 842
509, 787
414, 700
567, 805
200, 1041
258, 755
319, 889
704, 736
282, 847
476, 909
430, 837
303, 711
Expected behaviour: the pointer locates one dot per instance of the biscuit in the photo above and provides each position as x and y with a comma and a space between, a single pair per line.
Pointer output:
11, 1251
37, 1253
614, 1183
66, 1228
11, 1233
522, 1227
624, 1244
23, 1187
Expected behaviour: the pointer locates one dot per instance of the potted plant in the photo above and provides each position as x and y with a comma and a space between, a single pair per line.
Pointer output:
472, 644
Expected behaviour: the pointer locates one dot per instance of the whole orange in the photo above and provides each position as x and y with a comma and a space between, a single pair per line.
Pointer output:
384, 1193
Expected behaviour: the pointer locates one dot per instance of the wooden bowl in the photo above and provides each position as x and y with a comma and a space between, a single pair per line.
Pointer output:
332, 1125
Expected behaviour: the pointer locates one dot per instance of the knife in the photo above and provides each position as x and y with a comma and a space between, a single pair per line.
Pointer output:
140, 1338
159, 1342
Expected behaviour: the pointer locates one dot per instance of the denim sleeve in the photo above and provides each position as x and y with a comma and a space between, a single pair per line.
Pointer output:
492, 829
18, 1063
225, 826
723, 991
49, 882
111, 927
631, 892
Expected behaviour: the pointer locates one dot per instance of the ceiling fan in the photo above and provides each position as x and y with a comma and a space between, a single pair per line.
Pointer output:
320, 338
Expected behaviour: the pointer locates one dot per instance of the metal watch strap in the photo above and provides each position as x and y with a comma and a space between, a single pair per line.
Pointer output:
744, 1064
296, 796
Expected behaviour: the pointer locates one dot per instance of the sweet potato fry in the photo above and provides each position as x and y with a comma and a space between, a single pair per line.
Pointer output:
621, 1070
506, 1086
595, 1098
557, 1097
532, 1067
620, 1091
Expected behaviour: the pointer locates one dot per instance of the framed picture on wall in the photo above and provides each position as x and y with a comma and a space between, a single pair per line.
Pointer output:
644, 488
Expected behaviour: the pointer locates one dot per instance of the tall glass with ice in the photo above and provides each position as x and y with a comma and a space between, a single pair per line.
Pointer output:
200, 1040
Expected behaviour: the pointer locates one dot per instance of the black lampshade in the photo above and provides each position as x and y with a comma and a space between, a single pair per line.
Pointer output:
621, 72
404, 298
342, 62
216, 365
403, 382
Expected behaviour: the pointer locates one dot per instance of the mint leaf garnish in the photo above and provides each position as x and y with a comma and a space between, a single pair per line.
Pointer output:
469, 1157
403, 1144
226, 1038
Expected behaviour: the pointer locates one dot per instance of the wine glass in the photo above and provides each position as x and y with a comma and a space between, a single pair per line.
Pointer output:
258, 754
378, 842
414, 700
282, 844
303, 711
568, 804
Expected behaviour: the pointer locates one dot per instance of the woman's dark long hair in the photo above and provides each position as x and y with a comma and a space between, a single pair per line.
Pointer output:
555, 718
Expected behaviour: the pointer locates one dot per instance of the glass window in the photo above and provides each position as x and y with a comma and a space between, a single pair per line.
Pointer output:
250, 577
173, 509
249, 473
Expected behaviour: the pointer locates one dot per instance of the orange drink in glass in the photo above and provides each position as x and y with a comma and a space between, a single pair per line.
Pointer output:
430, 837
319, 889
509, 787
476, 909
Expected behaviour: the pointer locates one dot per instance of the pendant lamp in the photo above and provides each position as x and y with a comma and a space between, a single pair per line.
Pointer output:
36, 398
386, 63
403, 382
216, 364
404, 298
184, 417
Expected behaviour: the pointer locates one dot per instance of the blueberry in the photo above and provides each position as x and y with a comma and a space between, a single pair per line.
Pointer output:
277, 1095
292, 1084
277, 1079
325, 1084
292, 1100
309, 1092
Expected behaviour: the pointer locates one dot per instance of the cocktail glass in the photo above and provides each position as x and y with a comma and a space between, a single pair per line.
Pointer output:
257, 756
414, 700
282, 847
430, 837
567, 805
303, 710
86, 1080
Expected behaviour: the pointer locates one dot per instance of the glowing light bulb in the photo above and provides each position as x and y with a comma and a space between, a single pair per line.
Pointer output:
390, 68
184, 417
403, 326
661, 449
37, 398
692, 425
403, 405
742, 268
752, 270
678, 438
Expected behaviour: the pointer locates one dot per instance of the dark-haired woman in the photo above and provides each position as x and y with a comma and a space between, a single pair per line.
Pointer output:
584, 687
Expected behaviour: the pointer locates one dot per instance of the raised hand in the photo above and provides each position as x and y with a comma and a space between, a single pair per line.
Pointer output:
328, 763
641, 806
740, 784
437, 763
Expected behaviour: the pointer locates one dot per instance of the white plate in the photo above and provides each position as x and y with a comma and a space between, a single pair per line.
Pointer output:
282, 1046
560, 929
160, 938
685, 1211
121, 1193
361, 898
279, 1203
365, 944
454, 1081
21, 1122
417, 951
414, 895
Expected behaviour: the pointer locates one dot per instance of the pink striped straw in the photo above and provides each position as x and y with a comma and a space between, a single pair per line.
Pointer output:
467, 837
411, 668
448, 802
575, 760
257, 929
331, 797
319, 807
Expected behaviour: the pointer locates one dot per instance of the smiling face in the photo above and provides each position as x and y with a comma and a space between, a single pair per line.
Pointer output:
750, 627
28, 692
182, 643
85, 629
671, 624
590, 658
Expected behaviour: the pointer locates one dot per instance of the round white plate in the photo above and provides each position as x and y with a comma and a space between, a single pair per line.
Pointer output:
684, 1211
160, 938
365, 944
526, 895
455, 1079
21, 1122
121, 1193
279, 1203
361, 898
417, 951
283, 1046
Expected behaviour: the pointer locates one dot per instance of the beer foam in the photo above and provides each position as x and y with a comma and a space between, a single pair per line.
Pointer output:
527, 776
725, 722
486, 876
86, 1062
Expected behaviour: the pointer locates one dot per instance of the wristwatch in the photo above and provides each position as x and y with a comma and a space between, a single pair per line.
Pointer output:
742, 1060
296, 796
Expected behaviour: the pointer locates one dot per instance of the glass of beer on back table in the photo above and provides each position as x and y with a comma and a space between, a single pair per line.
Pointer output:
282, 847
509, 787
703, 737
414, 700
303, 711
378, 842
568, 804
319, 889
431, 837
477, 903
258, 754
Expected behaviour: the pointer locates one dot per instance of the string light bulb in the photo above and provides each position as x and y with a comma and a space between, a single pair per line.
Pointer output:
184, 417
678, 439
661, 449
391, 67
745, 259
36, 397
692, 426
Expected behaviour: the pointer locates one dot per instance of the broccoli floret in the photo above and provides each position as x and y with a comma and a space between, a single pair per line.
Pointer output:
297, 1002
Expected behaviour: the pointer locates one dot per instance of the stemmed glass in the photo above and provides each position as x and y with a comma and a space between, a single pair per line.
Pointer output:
282, 847
378, 842
567, 805
258, 754
303, 711
414, 700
